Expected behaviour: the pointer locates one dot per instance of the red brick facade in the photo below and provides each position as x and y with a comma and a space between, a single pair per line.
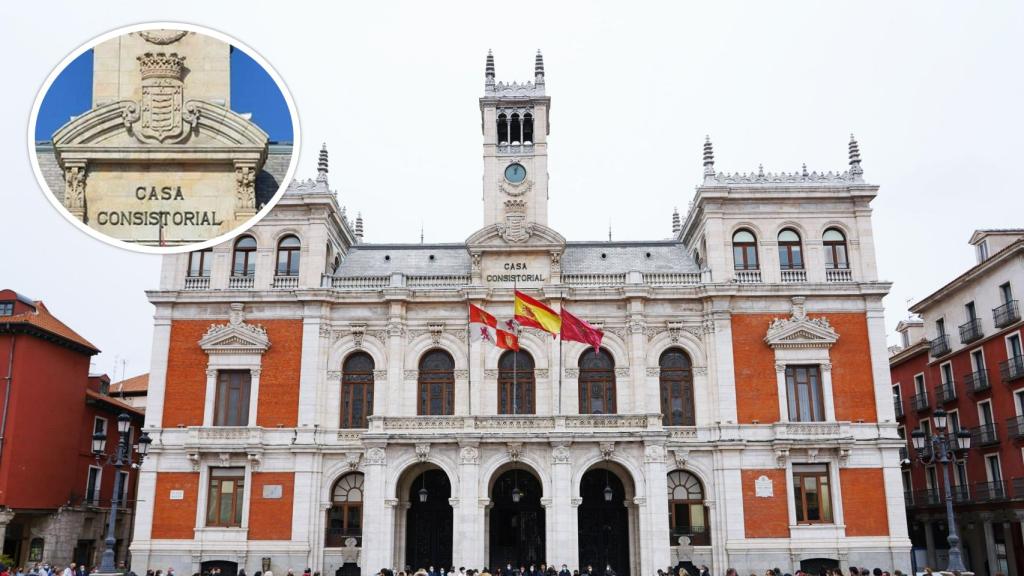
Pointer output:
271, 518
864, 503
175, 519
765, 517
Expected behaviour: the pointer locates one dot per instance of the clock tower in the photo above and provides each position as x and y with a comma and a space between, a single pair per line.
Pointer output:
515, 126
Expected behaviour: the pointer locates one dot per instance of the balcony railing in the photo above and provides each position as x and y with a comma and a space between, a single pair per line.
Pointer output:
794, 275
926, 497
197, 283
939, 346
1012, 369
1006, 314
594, 279
985, 435
672, 278
286, 282
335, 537
241, 282
1015, 428
989, 491
1017, 485
515, 148
908, 497
977, 381
838, 275
961, 493
945, 393
747, 277
698, 535
355, 282
970, 331
920, 402
897, 404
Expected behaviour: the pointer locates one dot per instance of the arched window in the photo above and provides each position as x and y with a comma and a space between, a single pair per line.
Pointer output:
527, 128
199, 263
835, 250
791, 255
597, 382
244, 261
515, 129
516, 383
687, 513
288, 256
502, 129
436, 394
356, 390
345, 516
744, 250
676, 388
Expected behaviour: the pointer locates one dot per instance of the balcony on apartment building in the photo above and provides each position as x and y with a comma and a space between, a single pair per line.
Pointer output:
920, 402
985, 435
945, 392
939, 346
970, 331
977, 381
1012, 368
1006, 314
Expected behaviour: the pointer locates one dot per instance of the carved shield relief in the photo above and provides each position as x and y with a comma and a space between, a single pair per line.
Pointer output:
161, 109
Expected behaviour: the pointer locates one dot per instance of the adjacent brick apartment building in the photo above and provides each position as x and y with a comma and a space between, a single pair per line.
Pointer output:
54, 498
963, 354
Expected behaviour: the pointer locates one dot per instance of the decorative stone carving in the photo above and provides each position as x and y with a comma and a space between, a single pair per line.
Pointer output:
572, 372
799, 331
708, 326
334, 376
763, 487
812, 454
701, 370
516, 190
653, 371
350, 552
607, 448
195, 460
162, 116
436, 329
235, 337
561, 454
491, 373
376, 457
255, 460
162, 37
675, 330
636, 325
357, 331
826, 367
422, 451
245, 187
545, 502
211, 372
469, 455
682, 456
515, 228
225, 458
484, 502
380, 374
556, 261
515, 450
540, 373
352, 459
575, 502
780, 367
395, 328
74, 189
474, 258
391, 502
255, 372
639, 500
844, 457
654, 454
325, 331
462, 374
622, 371
781, 457
410, 375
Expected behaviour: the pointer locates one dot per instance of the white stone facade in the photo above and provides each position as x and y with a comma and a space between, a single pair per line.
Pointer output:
396, 302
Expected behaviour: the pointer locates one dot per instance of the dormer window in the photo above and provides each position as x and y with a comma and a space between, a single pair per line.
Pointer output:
6, 308
744, 250
982, 251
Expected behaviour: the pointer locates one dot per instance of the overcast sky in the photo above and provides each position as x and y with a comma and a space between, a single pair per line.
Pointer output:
931, 89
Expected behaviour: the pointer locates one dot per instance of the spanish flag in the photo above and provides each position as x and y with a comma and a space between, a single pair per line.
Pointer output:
530, 312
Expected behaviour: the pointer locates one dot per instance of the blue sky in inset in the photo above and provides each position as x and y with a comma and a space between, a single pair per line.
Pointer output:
252, 91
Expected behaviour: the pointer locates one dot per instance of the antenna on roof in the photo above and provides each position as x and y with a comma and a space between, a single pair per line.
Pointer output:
421, 231
609, 229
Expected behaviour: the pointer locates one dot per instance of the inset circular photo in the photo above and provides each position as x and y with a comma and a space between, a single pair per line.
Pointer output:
164, 137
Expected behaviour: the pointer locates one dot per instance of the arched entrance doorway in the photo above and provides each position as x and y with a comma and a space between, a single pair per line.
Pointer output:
428, 528
226, 567
516, 520
603, 522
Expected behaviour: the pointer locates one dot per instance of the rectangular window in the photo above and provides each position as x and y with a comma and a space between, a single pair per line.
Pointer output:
1013, 346
231, 407
971, 311
977, 360
940, 327
995, 474
919, 384
803, 389
931, 479
982, 251
224, 504
961, 473
985, 413
99, 425
92, 485
199, 263
905, 339
811, 494
124, 486
1019, 397
1006, 293
947, 373
953, 421
6, 308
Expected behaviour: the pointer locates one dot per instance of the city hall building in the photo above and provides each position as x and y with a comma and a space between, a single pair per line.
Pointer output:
318, 401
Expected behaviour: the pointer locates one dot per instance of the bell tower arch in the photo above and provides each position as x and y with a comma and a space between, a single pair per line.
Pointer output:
514, 118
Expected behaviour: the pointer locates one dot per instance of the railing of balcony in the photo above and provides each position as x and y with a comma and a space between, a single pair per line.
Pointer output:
672, 278
356, 282
838, 275
908, 497
747, 276
1006, 314
898, 405
989, 491
698, 535
1015, 428
1017, 485
438, 281
241, 282
985, 435
286, 282
926, 497
977, 381
939, 346
197, 283
920, 402
945, 393
961, 493
1012, 368
971, 331
594, 279
794, 275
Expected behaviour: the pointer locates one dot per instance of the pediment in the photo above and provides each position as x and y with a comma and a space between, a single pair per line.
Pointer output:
800, 331
117, 125
235, 337
495, 237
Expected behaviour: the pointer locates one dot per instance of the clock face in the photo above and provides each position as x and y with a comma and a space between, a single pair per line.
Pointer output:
515, 173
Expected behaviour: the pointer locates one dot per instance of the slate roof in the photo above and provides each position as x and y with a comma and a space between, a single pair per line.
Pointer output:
579, 258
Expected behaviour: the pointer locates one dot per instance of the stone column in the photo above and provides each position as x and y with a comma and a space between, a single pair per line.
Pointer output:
638, 360
6, 515
158, 366
653, 511
378, 514
990, 547
929, 542
718, 322
469, 517
561, 544
312, 366
396, 371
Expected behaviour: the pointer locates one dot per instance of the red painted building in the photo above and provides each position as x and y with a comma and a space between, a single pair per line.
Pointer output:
964, 354
54, 497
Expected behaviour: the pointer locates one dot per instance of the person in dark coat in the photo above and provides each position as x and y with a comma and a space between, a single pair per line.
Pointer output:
564, 571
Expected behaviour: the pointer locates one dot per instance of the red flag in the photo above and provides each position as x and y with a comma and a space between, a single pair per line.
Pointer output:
484, 326
578, 330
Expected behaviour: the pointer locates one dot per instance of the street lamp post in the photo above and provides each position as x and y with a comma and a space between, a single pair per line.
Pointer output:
121, 457
943, 447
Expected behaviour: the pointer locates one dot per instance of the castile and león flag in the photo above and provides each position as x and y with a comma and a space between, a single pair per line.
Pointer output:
533, 313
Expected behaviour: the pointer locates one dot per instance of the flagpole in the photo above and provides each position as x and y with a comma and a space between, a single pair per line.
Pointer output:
469, 369
515, 356
560, 370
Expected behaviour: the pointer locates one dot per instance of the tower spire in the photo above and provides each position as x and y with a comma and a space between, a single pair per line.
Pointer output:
321, 165
538, 68
489, 71
855, 170
709, 161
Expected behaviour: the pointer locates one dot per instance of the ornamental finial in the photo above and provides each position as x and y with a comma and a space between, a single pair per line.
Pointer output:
675, 221
359, 227
321, 165
855, 170
489, 67
538, 67
709, 160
